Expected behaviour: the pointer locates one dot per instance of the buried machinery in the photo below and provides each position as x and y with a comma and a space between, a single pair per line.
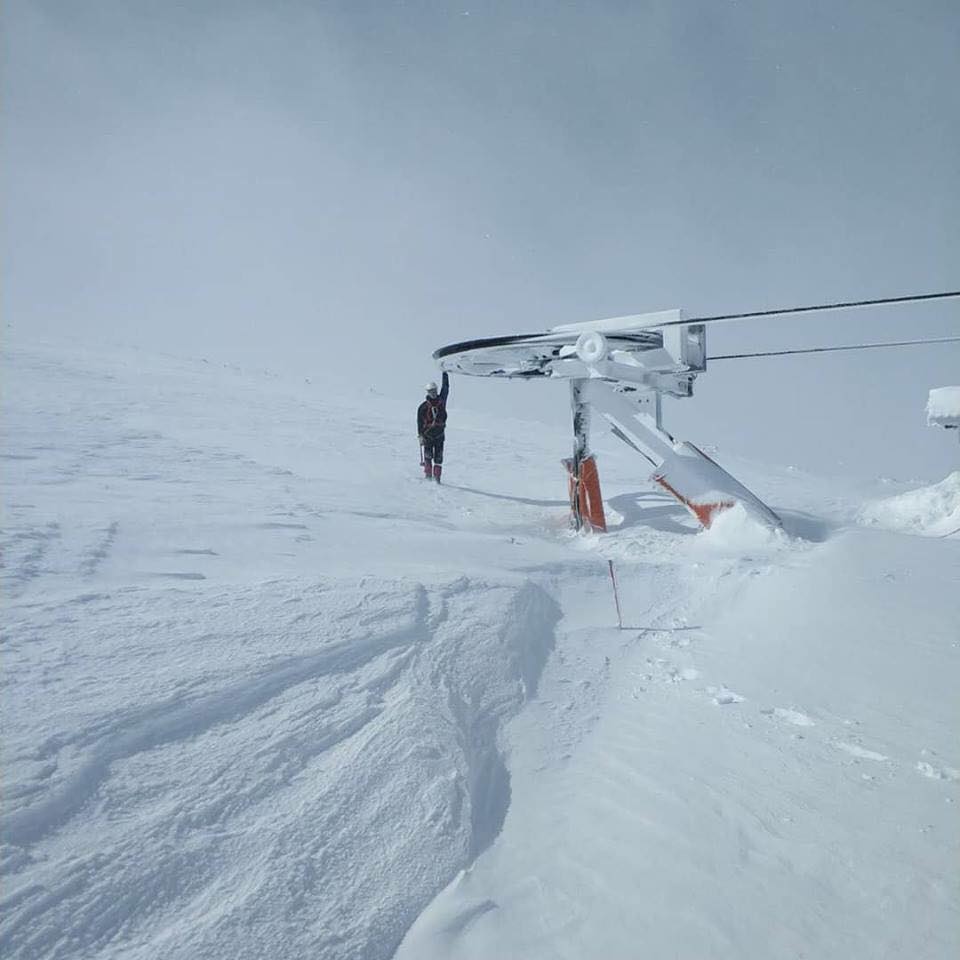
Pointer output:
620, 369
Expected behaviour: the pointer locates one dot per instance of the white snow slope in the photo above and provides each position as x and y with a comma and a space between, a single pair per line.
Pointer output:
268, 694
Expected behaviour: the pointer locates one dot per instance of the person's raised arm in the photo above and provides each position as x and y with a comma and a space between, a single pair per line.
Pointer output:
445, 386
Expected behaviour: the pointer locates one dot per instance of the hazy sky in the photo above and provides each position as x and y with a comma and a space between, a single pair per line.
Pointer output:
287, 181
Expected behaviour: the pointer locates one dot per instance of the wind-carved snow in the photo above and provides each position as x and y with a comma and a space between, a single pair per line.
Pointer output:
225, 759
388, 712
678, 826
932, 511
266, 693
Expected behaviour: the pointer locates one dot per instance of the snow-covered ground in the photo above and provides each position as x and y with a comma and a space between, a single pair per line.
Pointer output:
932, 511
267, 693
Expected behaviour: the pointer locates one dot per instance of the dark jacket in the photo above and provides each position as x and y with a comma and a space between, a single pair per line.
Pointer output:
432, 413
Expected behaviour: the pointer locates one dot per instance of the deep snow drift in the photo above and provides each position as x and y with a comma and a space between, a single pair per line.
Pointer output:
266, 693
932, 511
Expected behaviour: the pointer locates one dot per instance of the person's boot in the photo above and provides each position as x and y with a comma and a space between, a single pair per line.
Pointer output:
436, 472
427, 469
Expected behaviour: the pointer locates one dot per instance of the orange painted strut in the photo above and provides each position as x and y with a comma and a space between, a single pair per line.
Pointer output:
704, 512
586, 503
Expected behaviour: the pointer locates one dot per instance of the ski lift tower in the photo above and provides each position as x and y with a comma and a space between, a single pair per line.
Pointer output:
619, 369
622, 368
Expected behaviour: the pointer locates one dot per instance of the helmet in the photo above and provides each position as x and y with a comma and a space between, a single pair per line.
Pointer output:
432, 387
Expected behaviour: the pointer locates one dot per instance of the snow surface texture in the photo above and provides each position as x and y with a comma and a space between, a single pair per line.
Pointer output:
943, 407
932, 511
266, 693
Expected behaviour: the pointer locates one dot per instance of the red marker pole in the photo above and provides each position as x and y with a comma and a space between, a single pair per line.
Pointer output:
616, 596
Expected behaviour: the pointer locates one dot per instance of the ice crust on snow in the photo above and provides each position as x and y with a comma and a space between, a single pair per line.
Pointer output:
932, 511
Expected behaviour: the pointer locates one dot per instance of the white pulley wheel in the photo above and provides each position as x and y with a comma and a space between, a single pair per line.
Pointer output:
591, 347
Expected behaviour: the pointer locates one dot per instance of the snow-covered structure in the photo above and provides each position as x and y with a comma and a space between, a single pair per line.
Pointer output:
619, 368
943, 407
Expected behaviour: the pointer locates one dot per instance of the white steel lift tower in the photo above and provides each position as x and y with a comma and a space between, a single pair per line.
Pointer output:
620, 369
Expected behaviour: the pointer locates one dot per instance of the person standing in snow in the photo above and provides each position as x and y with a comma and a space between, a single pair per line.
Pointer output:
431, 424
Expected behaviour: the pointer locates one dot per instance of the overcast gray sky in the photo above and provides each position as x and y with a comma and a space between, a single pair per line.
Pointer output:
288, 180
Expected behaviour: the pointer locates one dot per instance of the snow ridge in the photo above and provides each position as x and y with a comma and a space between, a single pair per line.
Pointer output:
144, 728
397, 722
932, 511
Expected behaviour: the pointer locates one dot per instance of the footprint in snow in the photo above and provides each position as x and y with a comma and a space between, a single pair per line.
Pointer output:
794, 717
667, 672
937, 773
722, 696
861, 753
